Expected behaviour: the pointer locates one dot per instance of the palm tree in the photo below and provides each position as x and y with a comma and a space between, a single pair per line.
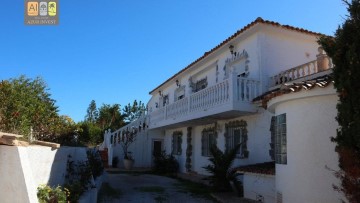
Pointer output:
220, 169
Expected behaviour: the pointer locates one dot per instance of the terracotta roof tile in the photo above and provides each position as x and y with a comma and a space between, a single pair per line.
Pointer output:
322, 81
258, 20
267, 168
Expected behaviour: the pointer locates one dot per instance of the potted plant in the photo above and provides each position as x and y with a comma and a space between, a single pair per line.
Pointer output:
128, 137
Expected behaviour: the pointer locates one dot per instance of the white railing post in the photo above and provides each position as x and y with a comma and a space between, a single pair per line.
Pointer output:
233, 92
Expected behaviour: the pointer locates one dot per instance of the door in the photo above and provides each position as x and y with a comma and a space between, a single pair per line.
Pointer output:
157, 147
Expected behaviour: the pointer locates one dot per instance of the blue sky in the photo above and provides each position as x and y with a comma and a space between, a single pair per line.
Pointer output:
115, 51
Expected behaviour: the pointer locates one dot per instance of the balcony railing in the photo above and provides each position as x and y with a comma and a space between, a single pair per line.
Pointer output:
234, 90
321, 64
177, 108
209, 97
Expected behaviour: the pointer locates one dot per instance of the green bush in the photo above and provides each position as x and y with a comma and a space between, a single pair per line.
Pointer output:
221, 174
90, 134
165, 164
47, 194
78, 178
95, 162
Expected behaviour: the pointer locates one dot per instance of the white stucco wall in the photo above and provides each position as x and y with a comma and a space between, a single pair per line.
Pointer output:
168, 147
258, 126
284, 49
259, 187
270, 49
141, 148
249, 43
23, 169
16, 183
308, 175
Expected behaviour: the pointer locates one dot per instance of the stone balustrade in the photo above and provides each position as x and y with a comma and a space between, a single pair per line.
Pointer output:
322, 63
177, 108
247, 89
235, 89
209, 97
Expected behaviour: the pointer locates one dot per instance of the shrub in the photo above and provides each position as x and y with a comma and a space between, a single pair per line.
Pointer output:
95, 162
78, 179
47, 194
220, 168
165, 164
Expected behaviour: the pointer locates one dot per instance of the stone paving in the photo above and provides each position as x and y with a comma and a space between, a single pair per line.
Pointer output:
146, 188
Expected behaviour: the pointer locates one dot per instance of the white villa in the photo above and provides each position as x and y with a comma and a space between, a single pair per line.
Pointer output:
269, 86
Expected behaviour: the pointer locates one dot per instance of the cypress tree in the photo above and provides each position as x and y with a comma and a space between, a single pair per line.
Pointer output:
344, 49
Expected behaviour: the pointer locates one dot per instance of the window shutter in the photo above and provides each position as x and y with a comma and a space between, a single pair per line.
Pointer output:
272, 142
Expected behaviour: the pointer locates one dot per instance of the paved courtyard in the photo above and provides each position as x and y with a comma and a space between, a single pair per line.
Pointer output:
147, 188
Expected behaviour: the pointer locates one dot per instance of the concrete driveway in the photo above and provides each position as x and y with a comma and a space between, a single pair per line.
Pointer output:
147, 188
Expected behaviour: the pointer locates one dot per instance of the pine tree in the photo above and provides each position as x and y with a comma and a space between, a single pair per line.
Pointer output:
344, 49
92, 112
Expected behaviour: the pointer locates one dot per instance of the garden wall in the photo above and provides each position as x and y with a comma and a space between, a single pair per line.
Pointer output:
23, 169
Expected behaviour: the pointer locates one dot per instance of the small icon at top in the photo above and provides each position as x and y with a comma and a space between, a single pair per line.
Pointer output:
43, 9
32, 8
52, 8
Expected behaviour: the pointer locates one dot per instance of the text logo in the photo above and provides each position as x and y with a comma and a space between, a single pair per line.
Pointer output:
32, 8
41, 12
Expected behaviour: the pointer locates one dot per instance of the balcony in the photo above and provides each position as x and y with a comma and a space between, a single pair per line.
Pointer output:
322, 66
228, 99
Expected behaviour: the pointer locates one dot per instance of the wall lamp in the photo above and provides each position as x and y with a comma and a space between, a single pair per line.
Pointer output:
177, 83
231, 48
160, 93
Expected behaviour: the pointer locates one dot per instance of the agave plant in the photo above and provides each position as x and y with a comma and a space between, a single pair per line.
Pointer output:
221, 173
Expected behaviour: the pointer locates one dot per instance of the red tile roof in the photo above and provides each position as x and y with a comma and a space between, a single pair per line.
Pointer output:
322, 81
258, 20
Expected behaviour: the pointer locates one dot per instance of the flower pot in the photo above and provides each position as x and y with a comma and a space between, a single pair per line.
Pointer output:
128, 164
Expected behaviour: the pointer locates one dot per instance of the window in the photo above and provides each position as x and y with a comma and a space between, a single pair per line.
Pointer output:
176, 142
280, 139
164, 100
236, 133
208, 139
201, 84
179, 93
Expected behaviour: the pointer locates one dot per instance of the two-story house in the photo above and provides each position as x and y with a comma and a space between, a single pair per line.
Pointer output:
267, 87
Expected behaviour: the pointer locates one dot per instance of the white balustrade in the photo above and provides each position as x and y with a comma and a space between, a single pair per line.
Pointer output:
157, 115
247, 89
178, 108
322, 63
244, 89
209, 97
